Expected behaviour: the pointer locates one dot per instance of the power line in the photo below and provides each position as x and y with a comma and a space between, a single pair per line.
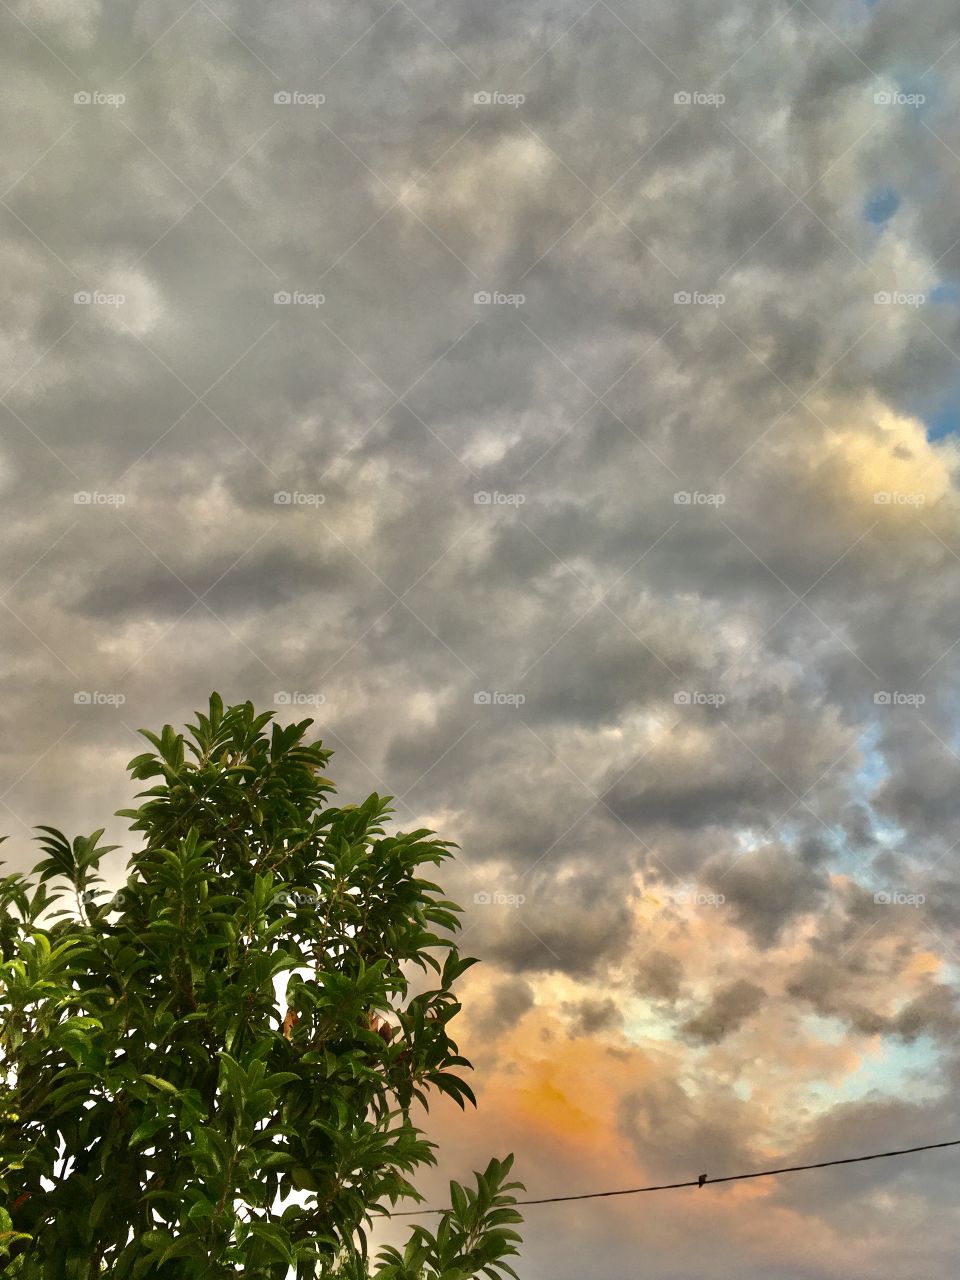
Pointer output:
703, 1179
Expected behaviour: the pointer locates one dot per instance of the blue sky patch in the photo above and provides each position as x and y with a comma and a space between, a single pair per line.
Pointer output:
945, 421
881, 205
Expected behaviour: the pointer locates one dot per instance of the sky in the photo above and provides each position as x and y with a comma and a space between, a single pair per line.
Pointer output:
559, 402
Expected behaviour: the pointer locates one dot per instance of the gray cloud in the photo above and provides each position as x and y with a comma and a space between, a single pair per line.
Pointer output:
659, 975
509, 1001
726, 1011
592, 1016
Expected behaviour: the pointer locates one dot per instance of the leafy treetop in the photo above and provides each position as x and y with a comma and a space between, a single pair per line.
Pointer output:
161, 1114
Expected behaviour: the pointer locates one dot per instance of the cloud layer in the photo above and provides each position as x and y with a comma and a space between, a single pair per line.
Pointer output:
560, 404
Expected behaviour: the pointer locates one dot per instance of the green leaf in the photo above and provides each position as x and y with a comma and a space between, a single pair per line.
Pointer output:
159, 1083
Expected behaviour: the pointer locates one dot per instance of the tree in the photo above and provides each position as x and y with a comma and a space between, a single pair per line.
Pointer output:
161, 1114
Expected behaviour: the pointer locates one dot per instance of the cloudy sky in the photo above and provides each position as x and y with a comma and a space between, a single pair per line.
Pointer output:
563, 400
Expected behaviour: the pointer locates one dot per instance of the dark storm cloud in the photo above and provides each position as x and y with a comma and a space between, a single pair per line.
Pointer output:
848, 992
851, 1126
768, 887
727, 1010
266, 579
675, 1132
575, 926
658, 975
592, 1016
920, 792
509, 1001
